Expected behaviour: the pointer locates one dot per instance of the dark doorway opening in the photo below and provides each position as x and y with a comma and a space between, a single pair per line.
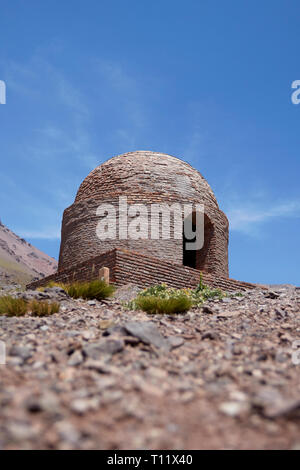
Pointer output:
189, 256
198, 259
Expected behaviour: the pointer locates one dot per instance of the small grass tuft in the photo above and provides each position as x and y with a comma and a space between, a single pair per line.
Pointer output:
12, 307
51, 284
97, 290
42, 308
19, 307
152, 304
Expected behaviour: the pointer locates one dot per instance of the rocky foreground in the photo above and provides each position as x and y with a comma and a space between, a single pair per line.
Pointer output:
97, 376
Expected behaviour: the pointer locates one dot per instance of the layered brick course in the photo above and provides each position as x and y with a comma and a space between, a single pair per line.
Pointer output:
143, 270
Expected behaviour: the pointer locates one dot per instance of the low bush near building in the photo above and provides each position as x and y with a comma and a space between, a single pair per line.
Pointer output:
164, 299
152, 304
97, 290
203, 293
51, 284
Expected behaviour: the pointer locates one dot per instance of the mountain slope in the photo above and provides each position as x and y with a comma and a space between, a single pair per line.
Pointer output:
20, 261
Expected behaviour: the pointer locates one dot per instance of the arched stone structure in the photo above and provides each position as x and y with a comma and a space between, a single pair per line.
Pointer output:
147, 178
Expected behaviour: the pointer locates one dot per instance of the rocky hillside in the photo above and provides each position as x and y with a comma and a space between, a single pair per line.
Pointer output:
20, 261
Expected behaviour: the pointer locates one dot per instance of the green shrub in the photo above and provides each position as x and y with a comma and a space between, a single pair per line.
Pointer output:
13, 307
97, 289
236, 294
204, 292
43, 309
152, 304
163, 299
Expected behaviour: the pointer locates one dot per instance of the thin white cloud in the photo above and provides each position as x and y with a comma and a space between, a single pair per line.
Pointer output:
19, 78
54, 143
44, 234
58, 151
37, 80
127, 93
196, 145
248, 217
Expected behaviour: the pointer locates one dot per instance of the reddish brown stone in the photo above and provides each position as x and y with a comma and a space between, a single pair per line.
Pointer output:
143, 270
147, 178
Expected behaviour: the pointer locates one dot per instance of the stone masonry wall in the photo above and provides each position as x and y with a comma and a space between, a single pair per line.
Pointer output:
143, 270
86, 271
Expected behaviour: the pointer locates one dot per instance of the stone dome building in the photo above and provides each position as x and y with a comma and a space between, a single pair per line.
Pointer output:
144, 178
147, 179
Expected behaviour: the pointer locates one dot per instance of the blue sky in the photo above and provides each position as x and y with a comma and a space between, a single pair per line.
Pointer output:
209, 82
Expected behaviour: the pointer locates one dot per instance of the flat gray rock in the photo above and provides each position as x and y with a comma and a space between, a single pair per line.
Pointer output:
148, 333
20, 351
105, 346
175, 341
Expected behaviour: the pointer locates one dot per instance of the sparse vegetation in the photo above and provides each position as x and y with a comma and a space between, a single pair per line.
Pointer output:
13, 307
97, 290
204, 292
52, 284
55, 284
43, 309
152, 304
164, 299
236, 294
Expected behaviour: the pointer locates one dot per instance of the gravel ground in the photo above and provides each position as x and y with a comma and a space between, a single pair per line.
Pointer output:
97, 376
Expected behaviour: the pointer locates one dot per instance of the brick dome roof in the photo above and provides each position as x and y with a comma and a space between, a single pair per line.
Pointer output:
146, 173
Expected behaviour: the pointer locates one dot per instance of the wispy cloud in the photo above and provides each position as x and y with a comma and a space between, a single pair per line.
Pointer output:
127, 101
54, 150
38, 80
53, 143
60, 145
44, 234
248, 217
196, 146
